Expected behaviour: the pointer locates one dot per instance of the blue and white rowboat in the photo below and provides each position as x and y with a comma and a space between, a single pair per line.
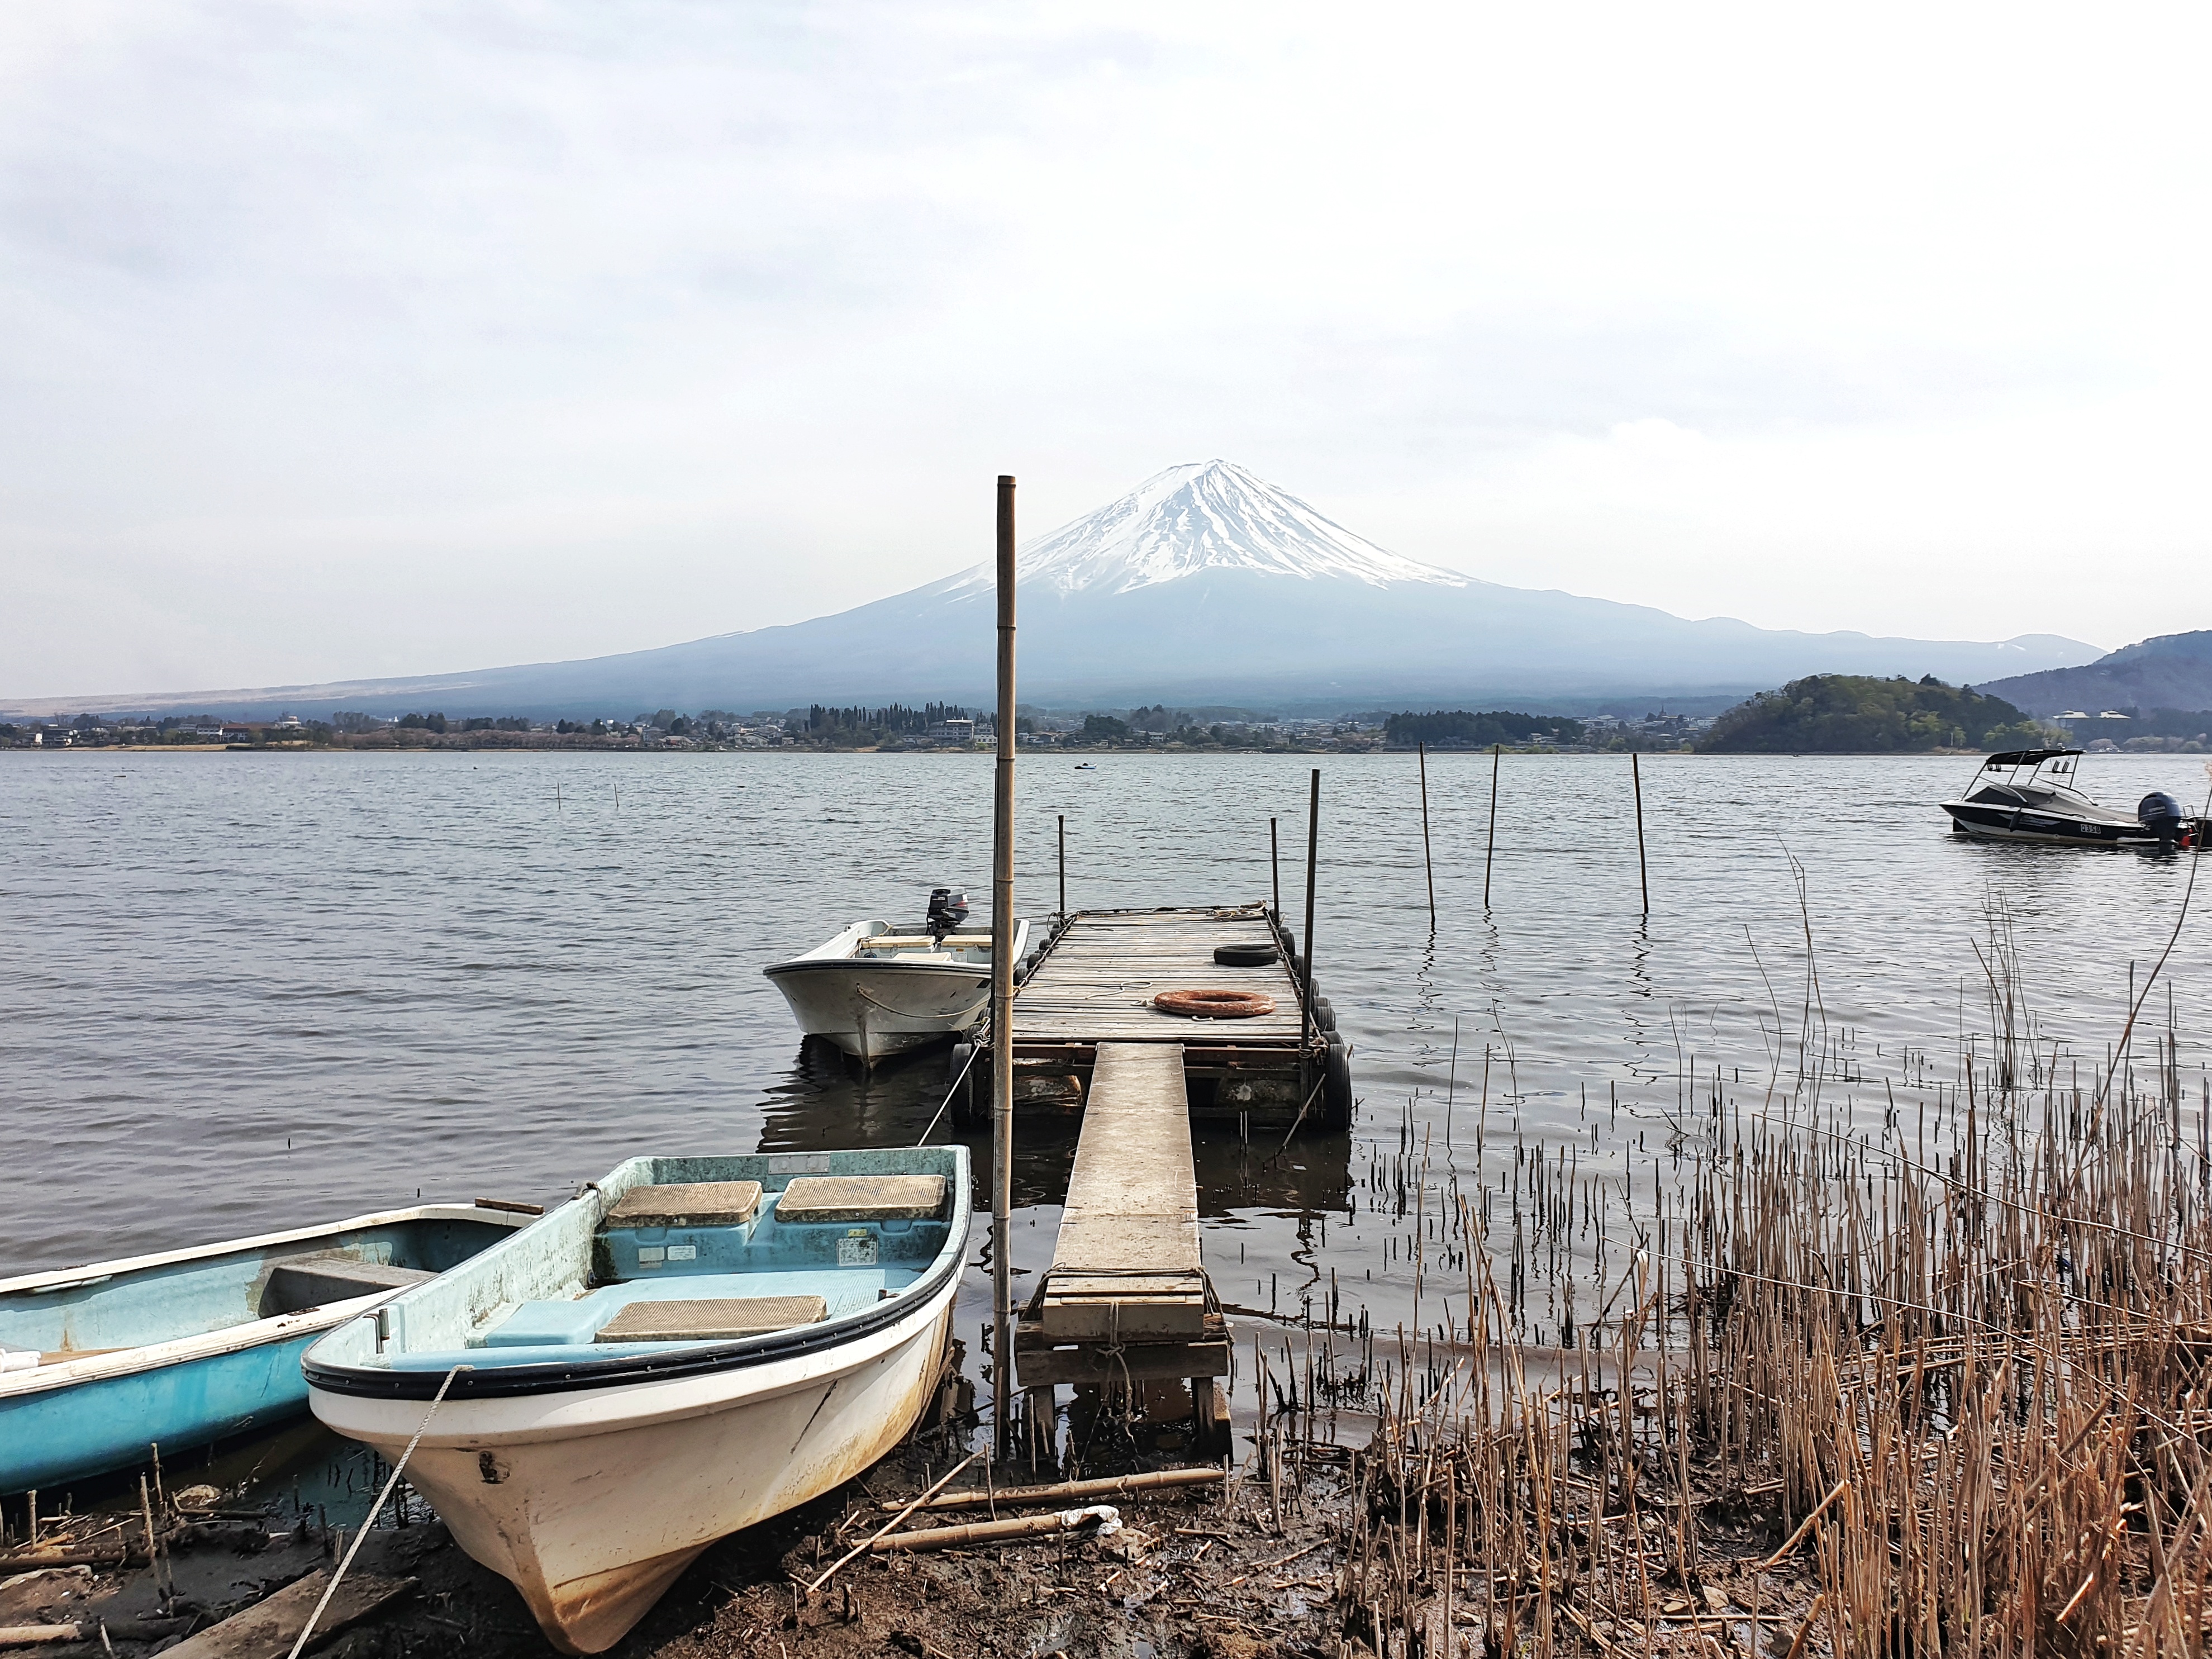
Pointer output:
693, 1346
100, 1362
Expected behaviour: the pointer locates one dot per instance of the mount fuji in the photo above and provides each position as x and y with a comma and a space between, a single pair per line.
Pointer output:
1206, 584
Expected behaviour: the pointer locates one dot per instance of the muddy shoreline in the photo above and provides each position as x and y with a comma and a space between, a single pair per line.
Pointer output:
1278, 1558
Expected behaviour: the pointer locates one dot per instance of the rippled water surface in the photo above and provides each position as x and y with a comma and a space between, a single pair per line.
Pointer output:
249, 991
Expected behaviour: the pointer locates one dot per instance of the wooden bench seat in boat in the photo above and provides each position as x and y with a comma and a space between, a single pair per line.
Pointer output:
300, 1282
718, 1319
689, 1204
820, 1199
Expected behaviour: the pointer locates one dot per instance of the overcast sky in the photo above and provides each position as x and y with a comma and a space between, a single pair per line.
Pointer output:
376, 338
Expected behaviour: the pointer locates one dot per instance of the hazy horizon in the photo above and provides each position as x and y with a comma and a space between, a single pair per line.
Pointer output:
357, 343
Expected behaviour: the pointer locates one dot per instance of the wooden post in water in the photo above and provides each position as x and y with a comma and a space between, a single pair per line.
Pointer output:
1428, 857
1313, 849
1002, 999
1063, 866
1275, 869
1490, 846
1643, 875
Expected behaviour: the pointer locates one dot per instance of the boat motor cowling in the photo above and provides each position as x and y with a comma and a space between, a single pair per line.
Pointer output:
2161, 814
948, 909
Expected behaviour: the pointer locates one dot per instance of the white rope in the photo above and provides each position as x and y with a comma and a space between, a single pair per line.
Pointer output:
331, 1588
949, 1093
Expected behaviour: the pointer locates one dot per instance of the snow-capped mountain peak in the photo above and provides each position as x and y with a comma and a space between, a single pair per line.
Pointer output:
1209, 515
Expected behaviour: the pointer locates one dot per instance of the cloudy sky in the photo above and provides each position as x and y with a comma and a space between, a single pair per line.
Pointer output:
375, 338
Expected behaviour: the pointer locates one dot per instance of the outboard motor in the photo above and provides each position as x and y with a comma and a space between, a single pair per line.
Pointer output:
948, 909
2161, 814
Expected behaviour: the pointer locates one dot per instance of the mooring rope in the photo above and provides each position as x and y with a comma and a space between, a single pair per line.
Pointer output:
949, 1093
377, 1508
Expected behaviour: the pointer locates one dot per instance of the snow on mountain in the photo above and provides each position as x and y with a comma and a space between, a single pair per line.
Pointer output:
1203, 515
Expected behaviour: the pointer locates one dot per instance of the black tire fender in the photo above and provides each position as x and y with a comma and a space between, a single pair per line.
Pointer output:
1336, 1086
1246, 956
964, 1092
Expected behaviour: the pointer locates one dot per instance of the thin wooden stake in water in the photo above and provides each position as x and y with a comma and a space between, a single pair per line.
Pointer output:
1002, 999
1063, 864
1313, 851
1428, 858
1275, 868
1643, 876
1490, 848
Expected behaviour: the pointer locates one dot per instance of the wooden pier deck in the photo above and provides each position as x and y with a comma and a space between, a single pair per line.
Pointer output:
1126, 1300
1097, 982
1093, 985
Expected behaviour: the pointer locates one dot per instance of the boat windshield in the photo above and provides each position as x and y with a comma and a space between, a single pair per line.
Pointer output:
2030, 772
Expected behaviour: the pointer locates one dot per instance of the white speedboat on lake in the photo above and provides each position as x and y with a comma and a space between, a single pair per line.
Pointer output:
2032, 795
690, 1346
874, 990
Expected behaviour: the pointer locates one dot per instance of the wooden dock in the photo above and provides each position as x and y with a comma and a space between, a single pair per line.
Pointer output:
1094, 984
1126, 1300
1125, 1303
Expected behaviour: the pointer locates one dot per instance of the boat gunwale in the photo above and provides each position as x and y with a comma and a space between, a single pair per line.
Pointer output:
497, 1382
228, 1338
859, 931
806, 964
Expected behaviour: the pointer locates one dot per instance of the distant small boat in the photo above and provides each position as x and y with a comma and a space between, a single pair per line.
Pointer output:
99, 1362
1085, 766
874, 991
2031, 796
692, 1346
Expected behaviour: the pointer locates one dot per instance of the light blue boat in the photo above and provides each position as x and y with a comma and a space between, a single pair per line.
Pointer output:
100, 1364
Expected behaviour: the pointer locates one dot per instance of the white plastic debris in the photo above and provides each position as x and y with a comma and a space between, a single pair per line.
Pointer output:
1108, 1517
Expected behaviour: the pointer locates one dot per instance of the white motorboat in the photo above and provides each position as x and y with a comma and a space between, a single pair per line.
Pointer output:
690, 1346
2031, 794
874, 990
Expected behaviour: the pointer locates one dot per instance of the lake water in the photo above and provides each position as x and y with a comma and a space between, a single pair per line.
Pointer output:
245, 991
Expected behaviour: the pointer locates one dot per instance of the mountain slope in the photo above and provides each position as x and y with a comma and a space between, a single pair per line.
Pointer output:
1205, 584
2168, 670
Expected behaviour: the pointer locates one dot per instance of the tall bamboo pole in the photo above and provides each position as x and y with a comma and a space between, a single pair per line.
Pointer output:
1002, 998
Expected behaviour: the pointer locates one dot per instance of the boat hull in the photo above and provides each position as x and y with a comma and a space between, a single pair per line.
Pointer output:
111, 1422
593, 1501
1994, 822
873, 1010
142, 1381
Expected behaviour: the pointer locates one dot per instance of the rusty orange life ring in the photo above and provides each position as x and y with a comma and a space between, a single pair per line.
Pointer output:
1214, 1005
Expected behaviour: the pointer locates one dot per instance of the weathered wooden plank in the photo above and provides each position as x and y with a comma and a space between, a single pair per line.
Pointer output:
1131, 1207
268, 1629
1137, 1362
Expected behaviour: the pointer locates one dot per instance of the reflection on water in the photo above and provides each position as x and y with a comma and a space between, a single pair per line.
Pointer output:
246, 992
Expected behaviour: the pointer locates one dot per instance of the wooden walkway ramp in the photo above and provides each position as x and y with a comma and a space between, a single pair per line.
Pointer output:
1126, 1298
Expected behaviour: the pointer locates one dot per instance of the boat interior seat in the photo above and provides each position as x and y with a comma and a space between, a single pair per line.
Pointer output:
688, 1204
300, 1282
820, 1200
583, 1319
711, 1319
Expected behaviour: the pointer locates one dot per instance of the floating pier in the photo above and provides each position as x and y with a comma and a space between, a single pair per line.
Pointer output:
1126, 1301
1092, 986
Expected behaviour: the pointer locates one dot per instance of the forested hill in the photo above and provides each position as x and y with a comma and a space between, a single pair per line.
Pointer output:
1459, 729
1851, 713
